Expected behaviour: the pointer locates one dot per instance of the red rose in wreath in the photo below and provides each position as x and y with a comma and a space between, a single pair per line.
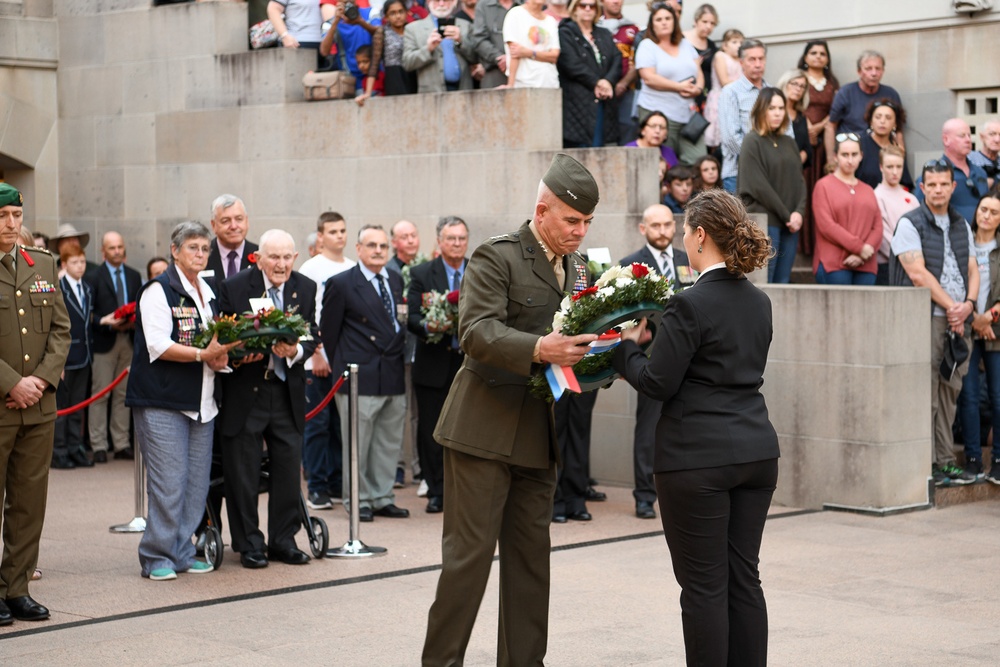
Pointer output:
585, 292
453, 297
639, 270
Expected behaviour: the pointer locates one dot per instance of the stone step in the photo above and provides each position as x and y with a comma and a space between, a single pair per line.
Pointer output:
946, 496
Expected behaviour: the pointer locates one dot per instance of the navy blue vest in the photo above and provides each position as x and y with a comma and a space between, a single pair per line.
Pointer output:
170, 385
932, 246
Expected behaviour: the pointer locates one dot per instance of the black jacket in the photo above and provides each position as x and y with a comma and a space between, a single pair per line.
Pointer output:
105, 302
432, 365
579, 72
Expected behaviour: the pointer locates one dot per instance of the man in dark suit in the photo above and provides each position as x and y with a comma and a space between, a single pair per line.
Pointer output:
264, 399
405, 245
500, 446
114, 285
32, 354
436, 364
363, 323
659, 254
230, 249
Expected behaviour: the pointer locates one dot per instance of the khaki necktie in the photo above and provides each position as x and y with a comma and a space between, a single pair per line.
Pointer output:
557, 268
8, 263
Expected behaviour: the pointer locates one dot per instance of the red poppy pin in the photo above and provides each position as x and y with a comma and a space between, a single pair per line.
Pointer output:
252, 258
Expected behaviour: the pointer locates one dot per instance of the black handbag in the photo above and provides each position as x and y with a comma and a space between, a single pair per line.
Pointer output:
695, 127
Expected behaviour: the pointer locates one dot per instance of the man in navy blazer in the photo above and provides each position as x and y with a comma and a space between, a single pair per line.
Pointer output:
114, 285
230, 249
363, 323
436, 364
659, 254
264, 399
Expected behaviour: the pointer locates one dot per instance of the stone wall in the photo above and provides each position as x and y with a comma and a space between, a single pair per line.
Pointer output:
848, 391
152, 128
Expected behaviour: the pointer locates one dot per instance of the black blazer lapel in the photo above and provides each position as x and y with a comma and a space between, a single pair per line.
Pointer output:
373, 303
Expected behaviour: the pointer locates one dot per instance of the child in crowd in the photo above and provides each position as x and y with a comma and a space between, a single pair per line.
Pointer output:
363, 56
68, 450
893, 201
680, 184
726, 68
707, 170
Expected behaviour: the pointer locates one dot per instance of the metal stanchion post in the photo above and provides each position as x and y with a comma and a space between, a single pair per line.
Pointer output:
137, 524
354, 547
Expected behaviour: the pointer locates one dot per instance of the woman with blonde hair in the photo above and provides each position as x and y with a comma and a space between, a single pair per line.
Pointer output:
795, 87
716, 453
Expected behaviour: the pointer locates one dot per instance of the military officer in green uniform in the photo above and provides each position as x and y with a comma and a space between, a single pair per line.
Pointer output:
500, 443
34, 342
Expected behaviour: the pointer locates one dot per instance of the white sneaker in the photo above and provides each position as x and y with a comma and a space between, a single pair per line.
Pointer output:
422, 490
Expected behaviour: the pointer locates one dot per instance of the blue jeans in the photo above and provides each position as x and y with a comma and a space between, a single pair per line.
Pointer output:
729, 184
178, 453
968, 400
321, 449
779, 269
844, 277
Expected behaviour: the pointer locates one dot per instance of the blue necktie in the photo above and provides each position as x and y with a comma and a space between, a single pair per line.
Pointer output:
276, 361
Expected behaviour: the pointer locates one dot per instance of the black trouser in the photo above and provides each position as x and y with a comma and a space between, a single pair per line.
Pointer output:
430, 401
713, 519
70, 436
647, 413
574, 415
269, 418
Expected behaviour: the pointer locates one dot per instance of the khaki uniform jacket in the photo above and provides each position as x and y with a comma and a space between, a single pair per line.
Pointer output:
34, 332
509, 295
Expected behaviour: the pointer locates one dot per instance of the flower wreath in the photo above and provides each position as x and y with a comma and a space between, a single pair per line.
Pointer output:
258, 331
615, 302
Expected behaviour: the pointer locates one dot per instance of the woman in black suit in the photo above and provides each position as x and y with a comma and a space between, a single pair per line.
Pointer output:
716, 458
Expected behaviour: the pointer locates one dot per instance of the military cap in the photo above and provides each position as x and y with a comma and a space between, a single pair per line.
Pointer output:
10, 196
572, 183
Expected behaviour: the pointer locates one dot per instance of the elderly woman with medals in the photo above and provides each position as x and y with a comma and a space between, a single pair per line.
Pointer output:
173, 420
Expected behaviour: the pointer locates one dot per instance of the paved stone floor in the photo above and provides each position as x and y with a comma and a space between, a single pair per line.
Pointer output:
842, 589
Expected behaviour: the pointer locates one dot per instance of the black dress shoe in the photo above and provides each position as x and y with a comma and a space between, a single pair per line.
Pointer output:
594, 496
365, 514
558, 518
100, 456
580, 516
125, 455
644, 510
80, 459
435, 505
25, 609
253, 560
288, 556
61, 463
6, 618
392, 512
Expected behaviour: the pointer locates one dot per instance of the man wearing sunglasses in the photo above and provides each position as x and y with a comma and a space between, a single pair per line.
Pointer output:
970, 181
933, 247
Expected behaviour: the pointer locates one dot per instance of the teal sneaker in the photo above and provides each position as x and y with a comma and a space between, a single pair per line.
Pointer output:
162, 574
200, 567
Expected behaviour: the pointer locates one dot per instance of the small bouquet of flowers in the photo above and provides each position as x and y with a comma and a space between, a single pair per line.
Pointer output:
617, 300
417, 260
259, 331
126, 312
440, 314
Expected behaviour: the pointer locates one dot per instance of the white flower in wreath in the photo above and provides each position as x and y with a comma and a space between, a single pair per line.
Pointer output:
625, 326
611, 275
557, 321
565, 305
605, 292
623, 281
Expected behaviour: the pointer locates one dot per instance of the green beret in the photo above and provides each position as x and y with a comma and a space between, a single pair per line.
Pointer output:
9, 195
572, 183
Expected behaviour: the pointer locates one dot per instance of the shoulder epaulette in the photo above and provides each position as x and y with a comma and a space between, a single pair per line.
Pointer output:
510, 238
37, 249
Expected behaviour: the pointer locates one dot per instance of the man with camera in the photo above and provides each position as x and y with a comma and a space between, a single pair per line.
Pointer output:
439, 49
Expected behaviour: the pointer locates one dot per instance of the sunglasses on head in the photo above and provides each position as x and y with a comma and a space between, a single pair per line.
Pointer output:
847, 136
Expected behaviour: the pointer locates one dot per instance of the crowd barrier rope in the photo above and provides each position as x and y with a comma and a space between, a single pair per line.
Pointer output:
96, 397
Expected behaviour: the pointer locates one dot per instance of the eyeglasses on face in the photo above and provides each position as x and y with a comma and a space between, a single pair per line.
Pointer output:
587, 5
371, 245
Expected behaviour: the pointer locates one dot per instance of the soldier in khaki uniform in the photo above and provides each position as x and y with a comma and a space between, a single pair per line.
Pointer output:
499, 441
34, 342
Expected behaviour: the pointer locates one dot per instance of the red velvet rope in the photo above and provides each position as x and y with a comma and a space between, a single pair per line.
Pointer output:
326, 401
81, 406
